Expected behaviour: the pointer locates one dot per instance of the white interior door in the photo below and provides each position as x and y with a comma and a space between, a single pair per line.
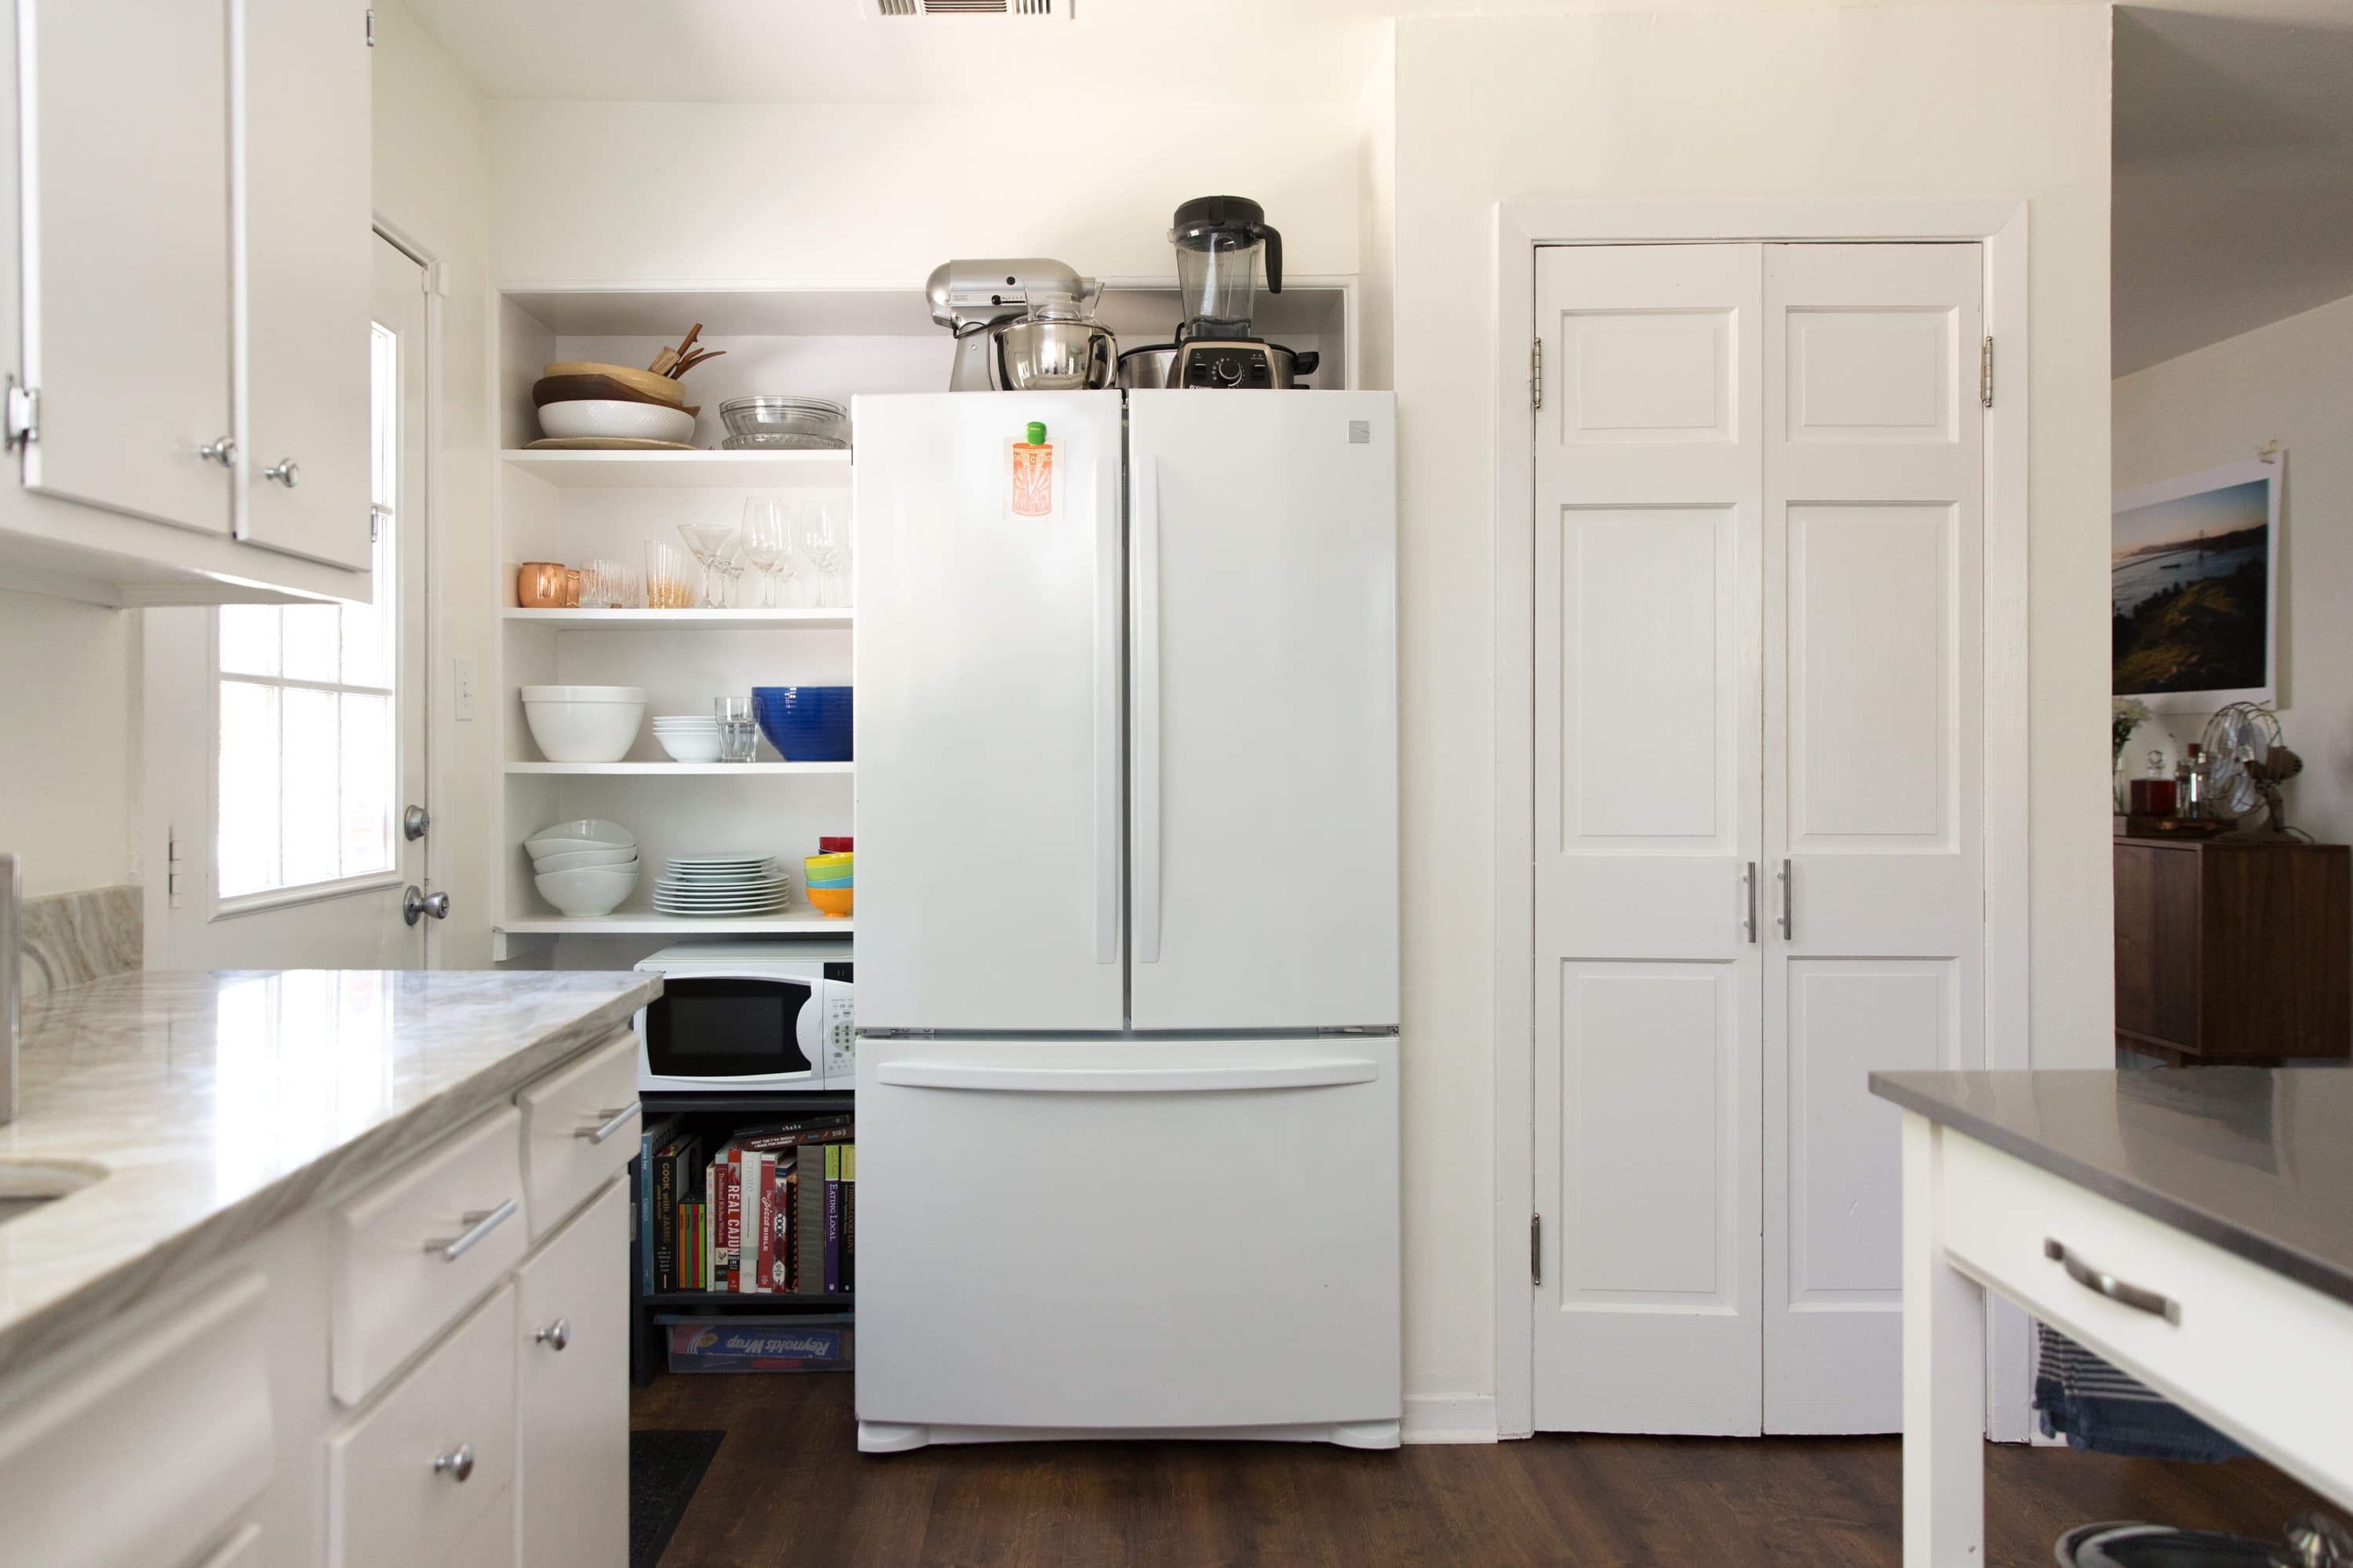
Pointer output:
1648, 485
290, 741
126, 253
1263, 719
1874, 725
988, 649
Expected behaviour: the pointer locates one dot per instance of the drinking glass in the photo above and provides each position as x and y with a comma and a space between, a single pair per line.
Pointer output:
707, 540
600, 584
664, 576
739, 732
824, 541
768, 545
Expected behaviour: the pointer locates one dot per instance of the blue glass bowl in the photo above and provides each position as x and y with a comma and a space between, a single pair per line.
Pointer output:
805, 723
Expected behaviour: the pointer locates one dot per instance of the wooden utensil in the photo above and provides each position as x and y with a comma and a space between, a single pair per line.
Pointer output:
665, 360
691, 361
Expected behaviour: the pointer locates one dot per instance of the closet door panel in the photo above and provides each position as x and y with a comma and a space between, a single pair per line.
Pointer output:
1873, 543
1646, 605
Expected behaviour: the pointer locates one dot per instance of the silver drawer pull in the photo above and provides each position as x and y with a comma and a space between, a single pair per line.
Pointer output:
2108, 1285
615, 1121
480, 1223
556, 1335
456, 1464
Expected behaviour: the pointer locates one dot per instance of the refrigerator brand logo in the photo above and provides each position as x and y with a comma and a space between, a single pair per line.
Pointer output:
1360, 432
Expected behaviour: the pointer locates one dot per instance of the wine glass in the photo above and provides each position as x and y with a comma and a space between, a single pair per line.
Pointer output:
707, 540
768, 544
823, 544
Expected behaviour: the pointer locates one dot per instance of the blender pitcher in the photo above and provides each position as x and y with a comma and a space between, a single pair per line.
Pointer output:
1218, 241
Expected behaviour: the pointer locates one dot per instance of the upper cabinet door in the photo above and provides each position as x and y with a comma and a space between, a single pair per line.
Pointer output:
1263, 552
303, 91
125, 166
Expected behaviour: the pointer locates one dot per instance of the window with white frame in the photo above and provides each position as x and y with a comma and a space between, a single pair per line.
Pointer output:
310, 741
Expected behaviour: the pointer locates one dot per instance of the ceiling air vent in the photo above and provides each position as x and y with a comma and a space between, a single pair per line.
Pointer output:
914, 8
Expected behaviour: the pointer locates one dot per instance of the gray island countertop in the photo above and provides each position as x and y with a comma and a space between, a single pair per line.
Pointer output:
2258, 1161
200, 1109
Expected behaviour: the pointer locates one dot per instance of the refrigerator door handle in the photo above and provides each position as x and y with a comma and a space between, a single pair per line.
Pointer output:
1147, 712
1107, 823
1008, 1080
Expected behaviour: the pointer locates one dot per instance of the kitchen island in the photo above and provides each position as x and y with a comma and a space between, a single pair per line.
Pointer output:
2192, 1226
276, 1242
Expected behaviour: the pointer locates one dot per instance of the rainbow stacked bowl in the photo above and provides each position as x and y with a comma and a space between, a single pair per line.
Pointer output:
830, 881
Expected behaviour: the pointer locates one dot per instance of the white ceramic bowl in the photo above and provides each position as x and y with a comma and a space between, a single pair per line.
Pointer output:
589, 891
576, 860
635, 421
690, 746
595, 832
583, 723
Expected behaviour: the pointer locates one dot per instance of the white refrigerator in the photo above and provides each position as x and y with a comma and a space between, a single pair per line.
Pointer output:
1127, 917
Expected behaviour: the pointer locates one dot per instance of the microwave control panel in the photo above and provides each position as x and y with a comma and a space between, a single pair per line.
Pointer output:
840, 1039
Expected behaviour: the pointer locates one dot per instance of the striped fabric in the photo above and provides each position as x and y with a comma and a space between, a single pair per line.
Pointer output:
2102, 1408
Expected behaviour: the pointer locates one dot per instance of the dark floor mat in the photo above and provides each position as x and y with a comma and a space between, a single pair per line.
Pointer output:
664, 1469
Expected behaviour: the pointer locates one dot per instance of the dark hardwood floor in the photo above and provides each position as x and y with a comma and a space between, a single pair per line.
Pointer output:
789, 1487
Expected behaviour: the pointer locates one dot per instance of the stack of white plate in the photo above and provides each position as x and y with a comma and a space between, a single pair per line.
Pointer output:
722, 886
688, 737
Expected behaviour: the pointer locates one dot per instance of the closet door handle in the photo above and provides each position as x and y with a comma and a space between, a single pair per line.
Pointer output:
1748, 880
1144, 717
1788, 918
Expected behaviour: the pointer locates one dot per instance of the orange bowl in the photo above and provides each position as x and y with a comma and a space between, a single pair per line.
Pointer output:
831, 902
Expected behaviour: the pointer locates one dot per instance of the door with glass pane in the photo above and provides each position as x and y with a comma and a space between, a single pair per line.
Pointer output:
288, 741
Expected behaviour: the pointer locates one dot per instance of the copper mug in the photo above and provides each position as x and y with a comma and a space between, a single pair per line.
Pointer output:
541, 585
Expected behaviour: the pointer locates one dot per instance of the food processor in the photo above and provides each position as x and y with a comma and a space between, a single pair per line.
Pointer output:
1219, 242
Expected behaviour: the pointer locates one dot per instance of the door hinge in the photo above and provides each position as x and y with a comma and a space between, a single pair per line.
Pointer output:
371, 26
1535, 1249
24, 414
1985, 375
1535, 374
172, 869
377, 512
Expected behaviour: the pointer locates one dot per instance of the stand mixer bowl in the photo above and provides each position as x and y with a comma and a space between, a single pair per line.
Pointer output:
1051, 354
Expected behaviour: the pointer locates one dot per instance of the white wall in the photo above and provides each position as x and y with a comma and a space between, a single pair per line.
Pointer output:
432, 181
2291, 382
1907, 102
878, 193
69, 708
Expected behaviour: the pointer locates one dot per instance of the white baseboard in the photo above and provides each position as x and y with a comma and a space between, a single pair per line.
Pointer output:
1448, 1418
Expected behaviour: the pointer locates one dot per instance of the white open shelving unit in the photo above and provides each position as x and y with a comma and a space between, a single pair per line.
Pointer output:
572, 506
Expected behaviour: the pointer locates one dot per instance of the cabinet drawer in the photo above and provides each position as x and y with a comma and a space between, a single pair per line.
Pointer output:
387, 1506
416, 1250
571, 1389
138, 1449
564, 1157
2253, 1351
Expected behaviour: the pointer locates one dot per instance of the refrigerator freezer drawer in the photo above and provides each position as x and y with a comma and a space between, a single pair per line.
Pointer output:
1111, 1237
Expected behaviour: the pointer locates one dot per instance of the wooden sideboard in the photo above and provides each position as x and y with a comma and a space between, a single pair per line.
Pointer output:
2233, 949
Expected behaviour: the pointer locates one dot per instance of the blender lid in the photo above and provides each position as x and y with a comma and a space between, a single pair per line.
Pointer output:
1205, 215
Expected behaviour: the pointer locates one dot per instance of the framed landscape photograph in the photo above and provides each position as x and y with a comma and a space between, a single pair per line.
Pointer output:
2193, 589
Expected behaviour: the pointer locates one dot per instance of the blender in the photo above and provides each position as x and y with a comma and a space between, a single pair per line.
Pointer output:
1219, 241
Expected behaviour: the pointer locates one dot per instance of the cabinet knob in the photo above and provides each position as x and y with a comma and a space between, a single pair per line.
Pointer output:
222, 451
456, 1464
286, 471
556, 1335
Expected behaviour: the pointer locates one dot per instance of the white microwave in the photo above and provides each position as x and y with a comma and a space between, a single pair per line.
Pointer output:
753, 1016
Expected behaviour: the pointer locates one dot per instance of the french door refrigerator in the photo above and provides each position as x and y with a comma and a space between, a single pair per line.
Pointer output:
1127, 917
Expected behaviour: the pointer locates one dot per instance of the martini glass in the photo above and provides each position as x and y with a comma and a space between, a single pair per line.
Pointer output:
707, 540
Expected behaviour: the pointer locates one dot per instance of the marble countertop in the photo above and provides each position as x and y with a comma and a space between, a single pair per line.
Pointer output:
2258, 1161
206, 1107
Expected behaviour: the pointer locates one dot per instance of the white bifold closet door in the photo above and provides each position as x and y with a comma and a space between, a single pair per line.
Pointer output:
1758, 870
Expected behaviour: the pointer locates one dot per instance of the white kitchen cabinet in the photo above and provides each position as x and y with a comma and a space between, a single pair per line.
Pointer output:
307, 259
190, 267
571, 1391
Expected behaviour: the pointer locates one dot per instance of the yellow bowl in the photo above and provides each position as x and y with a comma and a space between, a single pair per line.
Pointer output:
831, 902
834, 865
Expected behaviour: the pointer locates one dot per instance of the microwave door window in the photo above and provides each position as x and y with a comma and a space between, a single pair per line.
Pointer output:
723, 1027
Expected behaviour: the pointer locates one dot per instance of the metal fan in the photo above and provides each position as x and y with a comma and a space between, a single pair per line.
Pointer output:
2246, 763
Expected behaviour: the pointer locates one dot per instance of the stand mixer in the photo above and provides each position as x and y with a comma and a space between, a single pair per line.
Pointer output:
1021, 323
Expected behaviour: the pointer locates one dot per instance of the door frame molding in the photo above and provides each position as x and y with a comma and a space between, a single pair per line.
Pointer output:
1521, 227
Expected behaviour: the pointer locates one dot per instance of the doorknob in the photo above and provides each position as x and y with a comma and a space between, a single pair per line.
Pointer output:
414, 822
416, 904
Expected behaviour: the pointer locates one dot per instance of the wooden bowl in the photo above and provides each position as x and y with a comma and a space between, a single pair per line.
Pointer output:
660, 388
550, 389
